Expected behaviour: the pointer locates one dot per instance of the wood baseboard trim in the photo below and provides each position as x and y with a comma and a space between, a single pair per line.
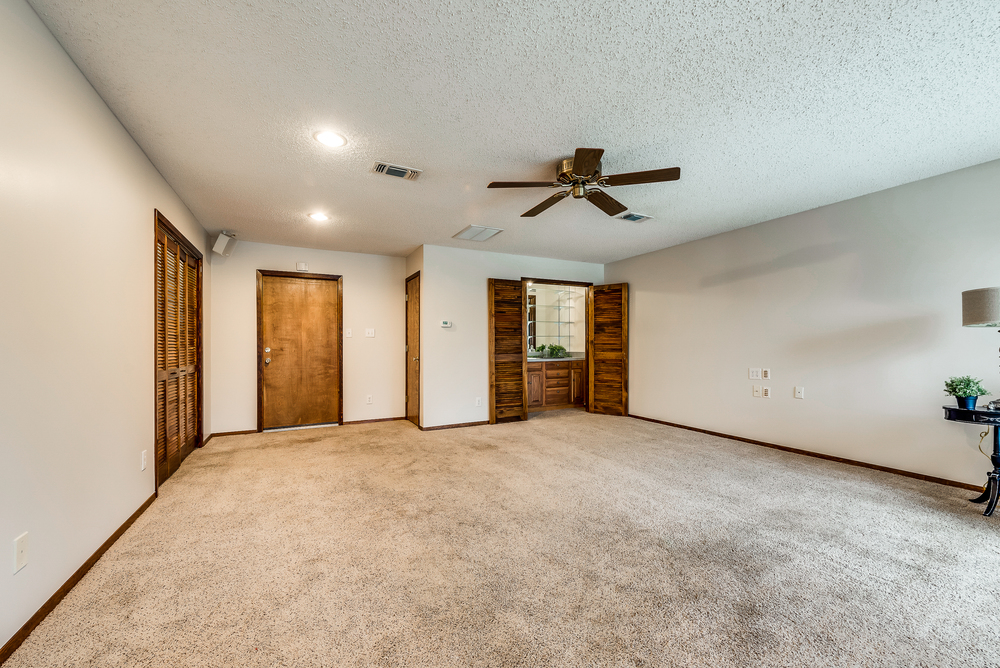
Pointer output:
22, 634
454, 426
819, 455
227, 433
392, 419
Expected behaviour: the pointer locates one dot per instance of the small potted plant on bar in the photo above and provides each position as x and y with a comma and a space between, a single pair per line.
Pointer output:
966, 390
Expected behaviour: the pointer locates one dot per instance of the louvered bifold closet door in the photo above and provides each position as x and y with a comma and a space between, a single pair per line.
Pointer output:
608, 339
507, 350
178, 365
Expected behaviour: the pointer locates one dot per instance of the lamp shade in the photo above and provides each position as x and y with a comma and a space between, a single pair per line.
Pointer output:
981, 308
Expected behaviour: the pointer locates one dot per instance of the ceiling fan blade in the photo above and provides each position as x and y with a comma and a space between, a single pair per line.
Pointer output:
544, 205
522, 184
634, 178
605, 202
586, 160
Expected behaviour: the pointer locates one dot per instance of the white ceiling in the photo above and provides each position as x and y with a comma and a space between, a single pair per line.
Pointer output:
769, 108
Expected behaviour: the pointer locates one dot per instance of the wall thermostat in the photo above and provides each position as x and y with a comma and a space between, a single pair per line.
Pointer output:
446, 323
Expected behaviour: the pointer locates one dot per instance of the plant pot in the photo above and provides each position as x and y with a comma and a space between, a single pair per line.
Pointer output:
968, 403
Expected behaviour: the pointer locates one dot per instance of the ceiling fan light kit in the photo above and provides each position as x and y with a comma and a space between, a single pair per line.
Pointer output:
582, 175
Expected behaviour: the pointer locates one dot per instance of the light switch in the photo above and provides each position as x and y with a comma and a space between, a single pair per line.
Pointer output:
370, 333
756, 390
347, 333
800, 393
755, 374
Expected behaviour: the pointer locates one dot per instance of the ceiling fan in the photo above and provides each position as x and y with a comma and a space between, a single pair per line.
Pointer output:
583, 170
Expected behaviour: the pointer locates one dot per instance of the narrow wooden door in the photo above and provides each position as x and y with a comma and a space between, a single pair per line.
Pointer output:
299, 349
508, 350
577, 385
536, 388
413, 349
607, 336
177, 348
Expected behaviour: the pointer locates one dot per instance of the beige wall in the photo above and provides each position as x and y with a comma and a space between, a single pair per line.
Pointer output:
859, 302
453, 285
373, 297
76, 315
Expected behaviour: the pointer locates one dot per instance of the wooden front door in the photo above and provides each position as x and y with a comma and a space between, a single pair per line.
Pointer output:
413, 349
508, 350
299, 349
178, 348
607, 336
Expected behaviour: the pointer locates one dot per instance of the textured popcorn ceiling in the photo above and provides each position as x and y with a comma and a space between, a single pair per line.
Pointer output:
769, 108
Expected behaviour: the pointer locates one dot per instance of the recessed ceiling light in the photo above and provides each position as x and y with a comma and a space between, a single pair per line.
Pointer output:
330, 138
319, 217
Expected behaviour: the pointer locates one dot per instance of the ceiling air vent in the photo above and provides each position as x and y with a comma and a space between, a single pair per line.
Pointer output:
396, 170
477, 233
633, 217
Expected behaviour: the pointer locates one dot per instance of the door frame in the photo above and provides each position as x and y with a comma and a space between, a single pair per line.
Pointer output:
160, 222
524, 334
406, 339
261, 273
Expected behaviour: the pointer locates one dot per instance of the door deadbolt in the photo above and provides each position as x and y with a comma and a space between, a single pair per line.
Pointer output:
267, 350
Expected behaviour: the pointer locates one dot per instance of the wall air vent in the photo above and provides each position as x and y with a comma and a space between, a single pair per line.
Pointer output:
633, 217
477, 233
396, 170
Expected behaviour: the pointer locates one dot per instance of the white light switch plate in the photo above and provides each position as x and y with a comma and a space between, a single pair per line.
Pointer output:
756, 390
21, 551
800, 393
370, 333
755, 374
347, 333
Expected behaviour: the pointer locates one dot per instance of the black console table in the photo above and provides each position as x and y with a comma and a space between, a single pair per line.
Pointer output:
989, 418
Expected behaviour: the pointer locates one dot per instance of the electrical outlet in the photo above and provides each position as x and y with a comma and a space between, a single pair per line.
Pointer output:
370, 333
347, 333
800, 393
765, 374
765, 392
479, 401
369, 399
756, 390
21, 551
754, 374
142, 461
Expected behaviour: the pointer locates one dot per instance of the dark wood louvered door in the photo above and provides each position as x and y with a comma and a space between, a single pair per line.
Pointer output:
607, 346
508, 350
178, 349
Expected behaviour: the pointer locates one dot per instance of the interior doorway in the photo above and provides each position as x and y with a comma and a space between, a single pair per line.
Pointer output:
178, 347
556, 344
299, 349
413, 349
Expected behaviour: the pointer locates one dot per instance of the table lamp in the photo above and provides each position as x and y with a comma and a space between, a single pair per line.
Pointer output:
981, 308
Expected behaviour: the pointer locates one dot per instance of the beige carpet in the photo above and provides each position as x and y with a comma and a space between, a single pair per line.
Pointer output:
570, 540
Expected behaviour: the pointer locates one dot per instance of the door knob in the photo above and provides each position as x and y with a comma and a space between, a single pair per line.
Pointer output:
267, 350
267, 361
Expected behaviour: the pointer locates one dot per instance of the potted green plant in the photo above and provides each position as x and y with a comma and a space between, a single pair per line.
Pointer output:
966, 390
